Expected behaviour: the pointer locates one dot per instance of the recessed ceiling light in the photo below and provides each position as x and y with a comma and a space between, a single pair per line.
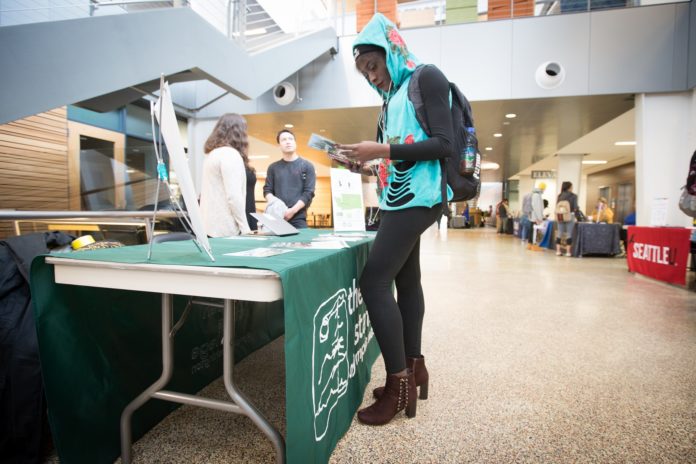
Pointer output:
489, 148
625, 143
322, 130
489, 166
595, 162
497, 134
506, 123
258, 157
510, 115
289, 126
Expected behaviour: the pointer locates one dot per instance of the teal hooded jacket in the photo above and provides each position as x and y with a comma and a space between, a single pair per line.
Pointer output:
402, 184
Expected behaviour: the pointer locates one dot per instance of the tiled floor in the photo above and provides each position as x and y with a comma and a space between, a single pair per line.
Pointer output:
533, 358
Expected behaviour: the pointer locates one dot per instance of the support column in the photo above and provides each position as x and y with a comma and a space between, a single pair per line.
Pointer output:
665, 141
525, 185
569, 168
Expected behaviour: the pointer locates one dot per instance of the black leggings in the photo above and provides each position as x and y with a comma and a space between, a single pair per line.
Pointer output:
395, 257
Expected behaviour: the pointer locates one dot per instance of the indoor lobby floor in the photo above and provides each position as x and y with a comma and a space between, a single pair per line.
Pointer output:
533, 358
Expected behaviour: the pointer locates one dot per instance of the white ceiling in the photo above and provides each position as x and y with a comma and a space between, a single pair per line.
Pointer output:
597, 145
542, 128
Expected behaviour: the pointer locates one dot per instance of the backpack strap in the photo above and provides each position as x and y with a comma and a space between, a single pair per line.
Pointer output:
416, 97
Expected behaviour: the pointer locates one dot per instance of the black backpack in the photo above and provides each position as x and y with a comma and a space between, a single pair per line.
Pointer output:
464, 186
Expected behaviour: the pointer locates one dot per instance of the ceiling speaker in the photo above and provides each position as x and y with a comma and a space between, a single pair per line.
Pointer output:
549, 75
284, 93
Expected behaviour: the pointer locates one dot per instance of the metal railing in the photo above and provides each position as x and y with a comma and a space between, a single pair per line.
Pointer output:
76, 219
255, 24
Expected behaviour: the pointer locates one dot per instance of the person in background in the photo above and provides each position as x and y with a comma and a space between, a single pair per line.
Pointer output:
602, 212
291, 180
525, 214
629, 220
466, 215
537, 214
501, 215
564, 233
410, 201
250, 196
224, 185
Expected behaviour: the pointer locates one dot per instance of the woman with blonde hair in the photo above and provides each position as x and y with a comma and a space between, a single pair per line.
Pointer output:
224, 186
603, 213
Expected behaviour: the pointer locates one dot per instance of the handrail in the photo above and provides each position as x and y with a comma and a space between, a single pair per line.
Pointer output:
6, 215
147, 216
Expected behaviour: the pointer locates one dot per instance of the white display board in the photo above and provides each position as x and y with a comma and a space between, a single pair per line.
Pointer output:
658, 211
166, 118
347, 200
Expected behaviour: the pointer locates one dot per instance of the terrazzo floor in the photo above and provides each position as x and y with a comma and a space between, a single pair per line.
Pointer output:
533, 358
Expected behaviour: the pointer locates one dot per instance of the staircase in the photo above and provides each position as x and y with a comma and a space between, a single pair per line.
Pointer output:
108, 61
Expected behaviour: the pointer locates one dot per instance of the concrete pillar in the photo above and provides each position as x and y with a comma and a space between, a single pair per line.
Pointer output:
665, 140
582, 194
524, 186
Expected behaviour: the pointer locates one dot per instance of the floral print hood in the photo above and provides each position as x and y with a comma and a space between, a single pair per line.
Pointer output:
400, 62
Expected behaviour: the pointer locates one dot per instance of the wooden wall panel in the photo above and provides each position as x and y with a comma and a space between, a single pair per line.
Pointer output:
502, 9
321, 204
34, 164
624, 174
365, 9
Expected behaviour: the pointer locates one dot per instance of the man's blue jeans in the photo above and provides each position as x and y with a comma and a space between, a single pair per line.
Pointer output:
525, 229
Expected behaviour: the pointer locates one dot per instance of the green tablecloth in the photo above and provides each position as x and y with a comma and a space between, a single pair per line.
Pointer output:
100, 348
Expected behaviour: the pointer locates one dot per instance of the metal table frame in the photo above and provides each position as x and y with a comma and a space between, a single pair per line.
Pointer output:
229, 284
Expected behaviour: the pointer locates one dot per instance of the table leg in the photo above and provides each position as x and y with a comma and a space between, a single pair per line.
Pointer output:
167, 368
241, 404
236, 395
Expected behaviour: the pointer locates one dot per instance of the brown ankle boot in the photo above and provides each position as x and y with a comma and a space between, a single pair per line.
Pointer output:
417, 365
399, 393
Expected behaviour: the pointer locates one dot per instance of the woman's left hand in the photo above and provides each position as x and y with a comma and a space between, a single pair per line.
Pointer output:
365, 151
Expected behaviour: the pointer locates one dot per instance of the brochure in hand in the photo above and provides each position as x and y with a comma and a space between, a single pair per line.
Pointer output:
329, 146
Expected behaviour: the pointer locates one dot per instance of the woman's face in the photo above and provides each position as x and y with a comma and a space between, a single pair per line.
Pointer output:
373, 66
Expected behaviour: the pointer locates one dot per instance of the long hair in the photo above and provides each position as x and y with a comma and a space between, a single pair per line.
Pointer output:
230, 131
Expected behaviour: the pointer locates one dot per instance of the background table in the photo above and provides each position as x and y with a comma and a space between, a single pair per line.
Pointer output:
596, 239
458, 222
100, 347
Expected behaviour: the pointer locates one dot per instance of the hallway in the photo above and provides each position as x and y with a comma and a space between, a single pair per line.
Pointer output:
533, 358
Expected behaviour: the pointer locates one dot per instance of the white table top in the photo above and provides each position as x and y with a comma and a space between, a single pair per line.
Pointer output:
206, 281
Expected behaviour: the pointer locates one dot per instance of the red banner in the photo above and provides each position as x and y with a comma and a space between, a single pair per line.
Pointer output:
659, 252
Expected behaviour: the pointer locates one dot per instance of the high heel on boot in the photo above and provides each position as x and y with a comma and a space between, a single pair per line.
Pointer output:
399, 394
417, 365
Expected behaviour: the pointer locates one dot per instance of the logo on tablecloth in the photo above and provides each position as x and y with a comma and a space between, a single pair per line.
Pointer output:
654, 253
342, 333
329, 359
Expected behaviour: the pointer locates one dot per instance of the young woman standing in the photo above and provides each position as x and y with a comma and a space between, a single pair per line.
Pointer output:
224, 186
410, 200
